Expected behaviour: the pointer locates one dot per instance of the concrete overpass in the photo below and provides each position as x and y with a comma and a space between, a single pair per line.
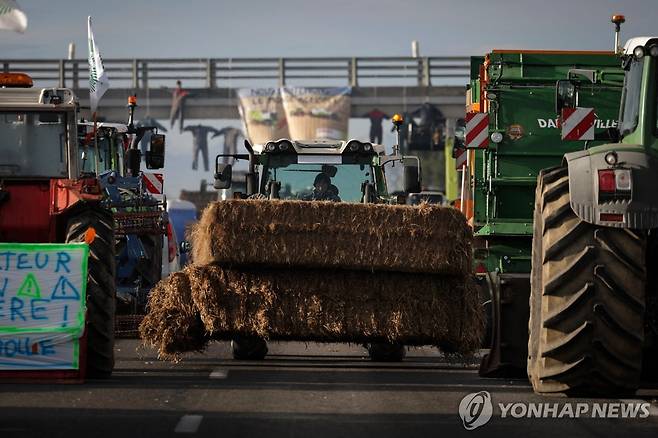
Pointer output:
391, 84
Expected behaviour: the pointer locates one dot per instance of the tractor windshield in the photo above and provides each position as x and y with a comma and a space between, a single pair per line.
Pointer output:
109, 154
302, 181
33, 144
630, 99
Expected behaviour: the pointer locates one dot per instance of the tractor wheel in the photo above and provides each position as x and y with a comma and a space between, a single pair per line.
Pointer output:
249, 348
587, 304
546, 176
100, 288
386, 352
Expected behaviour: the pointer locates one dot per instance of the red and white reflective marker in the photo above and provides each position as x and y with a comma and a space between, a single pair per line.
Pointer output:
477, 130
154, 183
577, 123
460, 158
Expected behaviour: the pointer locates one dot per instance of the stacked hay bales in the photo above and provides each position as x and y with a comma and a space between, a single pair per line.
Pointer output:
321, 271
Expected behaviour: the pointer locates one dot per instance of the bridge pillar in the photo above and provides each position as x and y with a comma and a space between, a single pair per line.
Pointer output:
210, 73
282, 72
354, 75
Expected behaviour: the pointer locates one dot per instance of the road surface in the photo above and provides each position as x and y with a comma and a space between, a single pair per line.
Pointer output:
300, 390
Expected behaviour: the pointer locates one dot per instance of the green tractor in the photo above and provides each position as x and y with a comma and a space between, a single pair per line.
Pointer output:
516, 90
594, 304
340, 171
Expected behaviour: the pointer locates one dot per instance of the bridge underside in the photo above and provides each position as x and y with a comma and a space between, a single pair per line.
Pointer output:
222, 103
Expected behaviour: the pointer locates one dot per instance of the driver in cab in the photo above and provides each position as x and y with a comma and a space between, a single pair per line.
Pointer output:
323, 189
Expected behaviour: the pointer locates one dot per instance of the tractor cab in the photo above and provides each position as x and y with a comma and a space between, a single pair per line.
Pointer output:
339, 171
41, 173
36, 126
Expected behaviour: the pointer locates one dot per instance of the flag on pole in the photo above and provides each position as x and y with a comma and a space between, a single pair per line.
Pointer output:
12, 17
98, 81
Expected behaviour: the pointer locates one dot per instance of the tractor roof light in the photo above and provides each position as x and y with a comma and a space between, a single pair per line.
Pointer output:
284, 145
618, 19
356, 146
15, 80
132, 100
279, 146
638, 52
653, 50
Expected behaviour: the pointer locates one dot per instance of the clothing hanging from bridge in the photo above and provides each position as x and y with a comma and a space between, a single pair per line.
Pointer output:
200, 143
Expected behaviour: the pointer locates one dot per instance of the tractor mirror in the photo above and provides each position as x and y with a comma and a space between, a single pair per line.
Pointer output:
566, 95
155, 156
223, 176
411, 179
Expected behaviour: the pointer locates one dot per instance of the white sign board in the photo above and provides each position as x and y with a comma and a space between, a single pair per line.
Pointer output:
42, 305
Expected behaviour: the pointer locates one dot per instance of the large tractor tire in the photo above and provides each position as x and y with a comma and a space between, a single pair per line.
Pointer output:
249, 348
100, 288
587, 299
386, 352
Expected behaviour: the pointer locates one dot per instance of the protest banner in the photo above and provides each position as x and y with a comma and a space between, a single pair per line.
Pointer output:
262, 114
317, 113
42, 305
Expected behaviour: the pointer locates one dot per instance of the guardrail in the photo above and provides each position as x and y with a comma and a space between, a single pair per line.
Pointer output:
240, 72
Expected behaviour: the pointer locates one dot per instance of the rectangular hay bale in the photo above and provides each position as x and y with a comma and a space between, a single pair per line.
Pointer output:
173, 324
327, 306
370, 237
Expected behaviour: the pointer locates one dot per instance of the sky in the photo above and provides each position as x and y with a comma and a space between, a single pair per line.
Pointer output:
280, 28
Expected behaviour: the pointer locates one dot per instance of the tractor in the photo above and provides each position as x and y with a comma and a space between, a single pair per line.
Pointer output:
352, 171
140, 218
594, 303
50, 193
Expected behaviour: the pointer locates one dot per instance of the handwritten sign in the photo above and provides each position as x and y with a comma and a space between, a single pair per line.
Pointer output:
42, 305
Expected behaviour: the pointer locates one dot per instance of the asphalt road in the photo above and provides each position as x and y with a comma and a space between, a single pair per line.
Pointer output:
298, 391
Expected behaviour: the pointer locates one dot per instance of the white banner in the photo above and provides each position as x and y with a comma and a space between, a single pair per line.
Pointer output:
98, 81
317, 113
12, 17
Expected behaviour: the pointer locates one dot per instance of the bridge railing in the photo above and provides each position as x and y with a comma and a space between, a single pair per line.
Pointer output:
241, 72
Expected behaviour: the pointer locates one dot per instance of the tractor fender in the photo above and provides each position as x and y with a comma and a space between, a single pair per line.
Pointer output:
640, 210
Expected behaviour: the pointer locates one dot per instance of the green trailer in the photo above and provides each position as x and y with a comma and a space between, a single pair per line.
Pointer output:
517, 89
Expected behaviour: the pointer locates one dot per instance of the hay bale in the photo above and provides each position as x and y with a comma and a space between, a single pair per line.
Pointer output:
371, 237
331, 306
172, 324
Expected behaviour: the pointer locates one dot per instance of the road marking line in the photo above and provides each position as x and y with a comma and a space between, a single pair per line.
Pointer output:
188, 424
219, 373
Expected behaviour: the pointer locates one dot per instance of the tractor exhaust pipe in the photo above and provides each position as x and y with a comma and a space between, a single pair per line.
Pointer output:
617, 20
252, 182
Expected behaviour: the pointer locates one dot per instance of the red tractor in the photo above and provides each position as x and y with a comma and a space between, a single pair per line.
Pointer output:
49, 193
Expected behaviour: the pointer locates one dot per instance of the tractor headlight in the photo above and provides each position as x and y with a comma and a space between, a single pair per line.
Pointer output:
367, 147
638, 52
653, 50
611, 158
496, 137
270, 147
285, 146
354, 146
